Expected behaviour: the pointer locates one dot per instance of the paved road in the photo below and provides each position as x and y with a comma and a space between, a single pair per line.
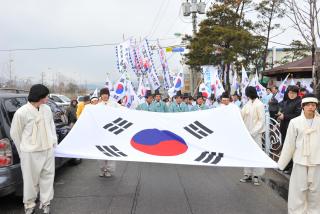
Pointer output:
144, 188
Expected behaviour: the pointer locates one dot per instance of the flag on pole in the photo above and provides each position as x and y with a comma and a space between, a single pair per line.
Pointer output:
131, 99
141, 92
307, 86
95, 94
203, 89
108, 84
119, 89
282, 89
235, 84
165, 68
178, 84
292, 82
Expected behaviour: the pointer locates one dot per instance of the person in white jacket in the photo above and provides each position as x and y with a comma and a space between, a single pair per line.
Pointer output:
253, 115
107, 166
34, 135
302, 144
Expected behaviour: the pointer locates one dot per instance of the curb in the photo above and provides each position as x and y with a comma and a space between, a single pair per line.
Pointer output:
278, 181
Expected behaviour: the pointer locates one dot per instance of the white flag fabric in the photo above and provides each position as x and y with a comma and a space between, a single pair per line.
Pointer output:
307, 86
292, 82
282, 89
149, 66
122, 54
108, 84
95, 94
131, 99
178, 84
165, 68
204, 90
235, 84
190, 138
141, 93
119, 89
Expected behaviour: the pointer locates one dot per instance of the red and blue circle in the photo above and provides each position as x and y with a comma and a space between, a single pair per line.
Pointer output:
178, 84
119, 89
159, 143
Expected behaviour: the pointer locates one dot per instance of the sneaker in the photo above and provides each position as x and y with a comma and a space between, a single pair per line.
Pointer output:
46, 209
101, 174
256, 181
107, 174
29, 210
246, 179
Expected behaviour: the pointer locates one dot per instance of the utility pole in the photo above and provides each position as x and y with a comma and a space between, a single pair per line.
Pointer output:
10, 72
193, 8
42, 77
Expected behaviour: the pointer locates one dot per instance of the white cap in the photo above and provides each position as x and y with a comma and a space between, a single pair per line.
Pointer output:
310, 100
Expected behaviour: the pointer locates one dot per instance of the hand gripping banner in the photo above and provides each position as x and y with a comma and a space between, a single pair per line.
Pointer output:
215, 137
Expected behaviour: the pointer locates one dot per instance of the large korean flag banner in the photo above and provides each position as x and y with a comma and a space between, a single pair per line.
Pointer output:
192, 138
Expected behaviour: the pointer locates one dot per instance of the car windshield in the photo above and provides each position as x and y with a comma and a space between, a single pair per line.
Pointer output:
64, 98
12, 105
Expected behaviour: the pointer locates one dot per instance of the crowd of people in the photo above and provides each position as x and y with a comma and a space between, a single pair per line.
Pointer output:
33, 133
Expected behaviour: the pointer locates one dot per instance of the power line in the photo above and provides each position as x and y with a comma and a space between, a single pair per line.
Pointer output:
71, 47
157, 25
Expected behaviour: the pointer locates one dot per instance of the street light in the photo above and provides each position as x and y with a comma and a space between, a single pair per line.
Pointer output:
193, 8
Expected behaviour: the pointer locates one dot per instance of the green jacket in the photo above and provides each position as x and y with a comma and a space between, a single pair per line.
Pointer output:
145, 107
159, 106
197, 107
174, 107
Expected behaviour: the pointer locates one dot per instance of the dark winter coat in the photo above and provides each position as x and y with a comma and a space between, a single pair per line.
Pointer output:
290, 109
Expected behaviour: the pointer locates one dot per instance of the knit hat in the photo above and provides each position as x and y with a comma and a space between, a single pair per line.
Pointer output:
104, 91
37, 92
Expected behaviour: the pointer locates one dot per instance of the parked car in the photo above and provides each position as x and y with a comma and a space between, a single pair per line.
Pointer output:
60, 100
10, 172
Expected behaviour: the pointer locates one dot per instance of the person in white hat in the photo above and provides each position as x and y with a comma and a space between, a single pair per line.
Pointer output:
302, 143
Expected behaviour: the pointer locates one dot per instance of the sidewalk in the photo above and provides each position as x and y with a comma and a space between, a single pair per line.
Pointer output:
278, 181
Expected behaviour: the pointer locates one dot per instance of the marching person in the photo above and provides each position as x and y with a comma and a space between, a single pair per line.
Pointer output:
302, 145
34, 134
158, 105
200, 105
253, 115
236, 100
225, 99
71, 112
147, 105
107, 167
273, 103
86, 100
178, 105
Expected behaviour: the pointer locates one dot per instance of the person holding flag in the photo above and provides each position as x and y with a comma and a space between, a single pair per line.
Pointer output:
107, 166
158, 105
147, 105
178, 105
200, 105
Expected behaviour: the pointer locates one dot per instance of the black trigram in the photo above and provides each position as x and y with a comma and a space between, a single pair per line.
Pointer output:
111, 151
198, 130
118, 126
209, 157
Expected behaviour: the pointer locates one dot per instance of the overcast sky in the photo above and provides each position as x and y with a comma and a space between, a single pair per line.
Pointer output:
47, 23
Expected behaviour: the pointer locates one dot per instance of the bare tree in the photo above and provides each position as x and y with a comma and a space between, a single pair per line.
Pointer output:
268, 11
305, 16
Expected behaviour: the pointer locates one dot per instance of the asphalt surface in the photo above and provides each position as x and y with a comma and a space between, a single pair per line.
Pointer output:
146, 188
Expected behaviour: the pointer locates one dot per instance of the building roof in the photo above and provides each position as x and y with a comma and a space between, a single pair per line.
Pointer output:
302, 65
